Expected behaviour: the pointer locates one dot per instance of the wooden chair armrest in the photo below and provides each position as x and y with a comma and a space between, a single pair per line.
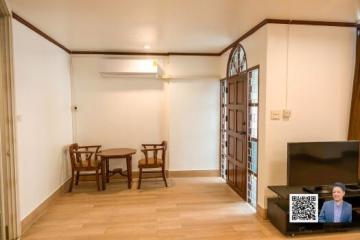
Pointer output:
81, 151
151, 149
149, 145
90, 146
94, 148
155, 150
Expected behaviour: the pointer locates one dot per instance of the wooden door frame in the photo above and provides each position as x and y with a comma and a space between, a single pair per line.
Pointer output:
222, 105
10, 219
257, 175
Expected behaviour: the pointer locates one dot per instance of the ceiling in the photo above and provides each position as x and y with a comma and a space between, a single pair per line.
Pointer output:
167, 25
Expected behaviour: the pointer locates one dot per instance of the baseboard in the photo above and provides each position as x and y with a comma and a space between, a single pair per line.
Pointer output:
261, 212
195, 173
30, 219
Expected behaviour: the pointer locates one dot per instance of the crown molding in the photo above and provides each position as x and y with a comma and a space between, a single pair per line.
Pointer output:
244, 36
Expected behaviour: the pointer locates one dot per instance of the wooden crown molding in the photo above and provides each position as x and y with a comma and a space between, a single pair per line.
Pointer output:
244, 36
147, 53
38, 31
285, 21
41, 33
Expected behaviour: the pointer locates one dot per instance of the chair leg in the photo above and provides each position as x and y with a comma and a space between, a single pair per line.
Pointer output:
71, 181
163, 175
77, 178
107, 171
140, 176
97, 179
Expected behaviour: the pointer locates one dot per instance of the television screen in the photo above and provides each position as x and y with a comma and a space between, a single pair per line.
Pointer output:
322, 163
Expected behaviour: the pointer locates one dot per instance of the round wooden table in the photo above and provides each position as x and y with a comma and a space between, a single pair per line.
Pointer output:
119, 153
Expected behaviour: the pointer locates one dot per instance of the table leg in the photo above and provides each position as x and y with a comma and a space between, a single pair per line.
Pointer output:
107, 171
129, 170
103, 173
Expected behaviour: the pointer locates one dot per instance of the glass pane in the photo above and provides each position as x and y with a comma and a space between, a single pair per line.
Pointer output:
253, 135
253, 156
232, 71
235, 57
254, 86
238, 61
253, 122
242, 60
252, 189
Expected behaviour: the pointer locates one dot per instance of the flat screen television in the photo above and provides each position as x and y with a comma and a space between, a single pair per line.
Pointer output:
322, 163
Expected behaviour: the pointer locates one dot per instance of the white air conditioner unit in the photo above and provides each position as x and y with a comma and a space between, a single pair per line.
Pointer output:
128, 67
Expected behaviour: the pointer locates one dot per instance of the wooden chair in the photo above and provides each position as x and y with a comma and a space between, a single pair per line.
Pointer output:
154, 161
84, 159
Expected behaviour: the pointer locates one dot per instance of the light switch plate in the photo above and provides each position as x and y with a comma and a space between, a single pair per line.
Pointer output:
286, 114
275, 114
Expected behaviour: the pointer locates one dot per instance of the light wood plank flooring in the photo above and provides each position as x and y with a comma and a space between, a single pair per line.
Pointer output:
190, 209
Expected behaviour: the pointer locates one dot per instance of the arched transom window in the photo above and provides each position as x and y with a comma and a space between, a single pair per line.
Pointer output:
237, 61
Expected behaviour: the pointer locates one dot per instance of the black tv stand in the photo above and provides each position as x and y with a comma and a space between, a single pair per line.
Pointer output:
278, 209
325, 189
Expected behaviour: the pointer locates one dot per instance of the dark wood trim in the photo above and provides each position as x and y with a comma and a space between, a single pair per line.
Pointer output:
354, 120
285, 21
117, 53
253, 139
146, 53
244, 36
194, 54
322, 23
221, 83
38, 31
47, 37
253, 68
253, 105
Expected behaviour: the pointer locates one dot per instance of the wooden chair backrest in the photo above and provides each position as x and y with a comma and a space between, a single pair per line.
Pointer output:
79, 157
155, 149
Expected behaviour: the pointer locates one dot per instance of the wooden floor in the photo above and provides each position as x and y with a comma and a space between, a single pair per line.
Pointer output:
191, 208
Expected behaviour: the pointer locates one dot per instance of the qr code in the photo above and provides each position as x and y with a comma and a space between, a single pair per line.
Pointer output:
303, 208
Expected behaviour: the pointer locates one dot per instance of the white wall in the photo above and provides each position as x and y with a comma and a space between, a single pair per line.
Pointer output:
116, 112
194, 124
126, 112
194, 113
319, 87
318, 90
44, 127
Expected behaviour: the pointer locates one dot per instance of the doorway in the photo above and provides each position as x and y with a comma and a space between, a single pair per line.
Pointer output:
236, 140
239, 126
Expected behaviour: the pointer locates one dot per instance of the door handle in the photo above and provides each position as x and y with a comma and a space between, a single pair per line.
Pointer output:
243, 133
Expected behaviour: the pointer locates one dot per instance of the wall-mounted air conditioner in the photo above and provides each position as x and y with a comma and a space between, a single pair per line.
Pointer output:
129, 67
